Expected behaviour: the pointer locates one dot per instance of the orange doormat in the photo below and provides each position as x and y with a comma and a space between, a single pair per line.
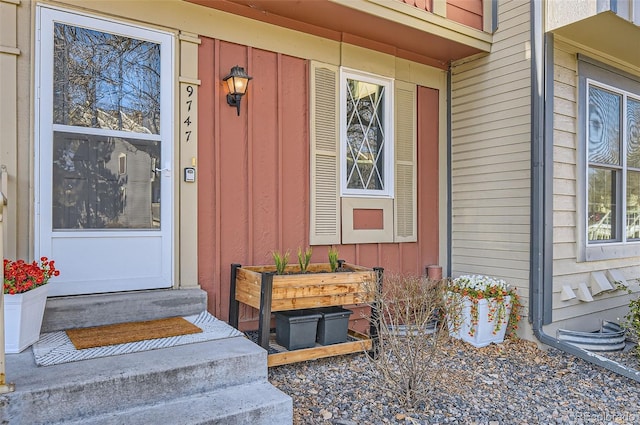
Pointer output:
122, 333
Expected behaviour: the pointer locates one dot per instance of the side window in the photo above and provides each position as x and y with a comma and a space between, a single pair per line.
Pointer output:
366, 135
613, 165
609, 117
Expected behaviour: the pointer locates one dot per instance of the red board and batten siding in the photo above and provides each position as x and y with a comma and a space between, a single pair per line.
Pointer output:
253, 173
466, 12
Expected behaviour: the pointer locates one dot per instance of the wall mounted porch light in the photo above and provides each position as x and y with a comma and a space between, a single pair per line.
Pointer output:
237, 82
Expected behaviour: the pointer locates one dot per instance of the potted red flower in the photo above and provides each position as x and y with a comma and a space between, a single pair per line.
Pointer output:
25, 296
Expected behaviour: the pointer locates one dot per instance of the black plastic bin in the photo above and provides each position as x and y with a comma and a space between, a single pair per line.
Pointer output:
297, 329
333, 325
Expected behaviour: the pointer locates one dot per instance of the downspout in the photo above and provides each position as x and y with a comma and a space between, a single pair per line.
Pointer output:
541, 273
449, 202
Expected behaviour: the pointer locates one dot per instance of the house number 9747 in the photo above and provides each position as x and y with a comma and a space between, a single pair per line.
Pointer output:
188, 106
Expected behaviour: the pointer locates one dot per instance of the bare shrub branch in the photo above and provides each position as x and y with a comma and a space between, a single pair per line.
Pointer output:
411, 327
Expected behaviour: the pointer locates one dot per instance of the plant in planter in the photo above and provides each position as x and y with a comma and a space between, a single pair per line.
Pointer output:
333, 259
481, 309
25, 296
281, 261
270, 290
304, 258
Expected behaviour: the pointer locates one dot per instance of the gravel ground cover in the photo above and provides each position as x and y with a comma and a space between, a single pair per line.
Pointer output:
510, 383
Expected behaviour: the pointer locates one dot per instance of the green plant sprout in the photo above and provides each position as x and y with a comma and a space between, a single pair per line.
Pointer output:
333, 259
304, 258
281, 261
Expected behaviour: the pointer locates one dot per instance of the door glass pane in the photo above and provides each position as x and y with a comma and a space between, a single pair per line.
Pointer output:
604, 127
103, 80
105, 182
633, 205
633, 133
365, 135
602, 204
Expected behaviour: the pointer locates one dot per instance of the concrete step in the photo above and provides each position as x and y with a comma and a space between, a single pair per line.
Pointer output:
142, 383
256, 403
104, 309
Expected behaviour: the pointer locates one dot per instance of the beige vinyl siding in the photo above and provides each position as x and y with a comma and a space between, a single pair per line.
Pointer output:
490, 155
567, 270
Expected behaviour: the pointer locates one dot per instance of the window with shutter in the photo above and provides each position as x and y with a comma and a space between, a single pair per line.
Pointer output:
363, 154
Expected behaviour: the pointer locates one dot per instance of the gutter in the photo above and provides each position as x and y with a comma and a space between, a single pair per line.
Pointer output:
541, 272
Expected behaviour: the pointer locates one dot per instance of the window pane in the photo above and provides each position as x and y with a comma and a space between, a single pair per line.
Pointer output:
633, 205
602, 204
105, 183
633, 133
604, 127
365, 135
106, 81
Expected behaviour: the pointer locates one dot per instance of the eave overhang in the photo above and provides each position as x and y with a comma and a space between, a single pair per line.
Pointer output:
605, 33
392, 27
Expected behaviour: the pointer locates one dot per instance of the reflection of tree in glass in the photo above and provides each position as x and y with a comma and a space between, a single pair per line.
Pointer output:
104, 80
86, 194
104, 182
602, 206
604, 127
633, 133
365, 135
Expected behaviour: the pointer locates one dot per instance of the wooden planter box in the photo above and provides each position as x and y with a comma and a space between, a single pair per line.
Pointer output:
261, 288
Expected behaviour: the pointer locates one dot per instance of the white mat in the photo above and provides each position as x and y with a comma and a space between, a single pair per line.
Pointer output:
56, 347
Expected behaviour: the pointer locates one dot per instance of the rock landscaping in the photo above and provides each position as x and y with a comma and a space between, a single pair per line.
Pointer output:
510, 383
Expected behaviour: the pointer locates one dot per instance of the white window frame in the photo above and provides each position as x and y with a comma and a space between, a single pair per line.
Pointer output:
387, 121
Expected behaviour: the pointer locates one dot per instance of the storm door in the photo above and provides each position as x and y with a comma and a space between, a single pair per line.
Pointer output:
103, 154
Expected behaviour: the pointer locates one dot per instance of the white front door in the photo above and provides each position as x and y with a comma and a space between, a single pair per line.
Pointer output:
103, 153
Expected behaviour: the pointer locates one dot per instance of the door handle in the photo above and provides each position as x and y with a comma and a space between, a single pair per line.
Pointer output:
166, 170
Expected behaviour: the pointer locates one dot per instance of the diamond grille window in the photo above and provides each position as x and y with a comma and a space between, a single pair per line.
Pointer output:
365, 135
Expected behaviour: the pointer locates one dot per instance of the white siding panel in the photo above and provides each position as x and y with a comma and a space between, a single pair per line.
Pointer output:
470, 93
564, 187
564, 107
564, 155
498, 246
491, 105
564, 123
564, 171
564, 203
491, 217
564, 75
462, 203
565, 91
496, 255
578, 308
563, 251
564, 218
563, 235
564, 138
490, 155
470, 177
469, 141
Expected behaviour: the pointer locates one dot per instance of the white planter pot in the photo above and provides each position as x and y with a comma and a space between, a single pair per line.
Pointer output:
23, 315
483, 333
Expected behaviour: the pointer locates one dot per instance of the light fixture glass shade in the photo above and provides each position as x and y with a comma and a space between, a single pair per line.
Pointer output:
237, 80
